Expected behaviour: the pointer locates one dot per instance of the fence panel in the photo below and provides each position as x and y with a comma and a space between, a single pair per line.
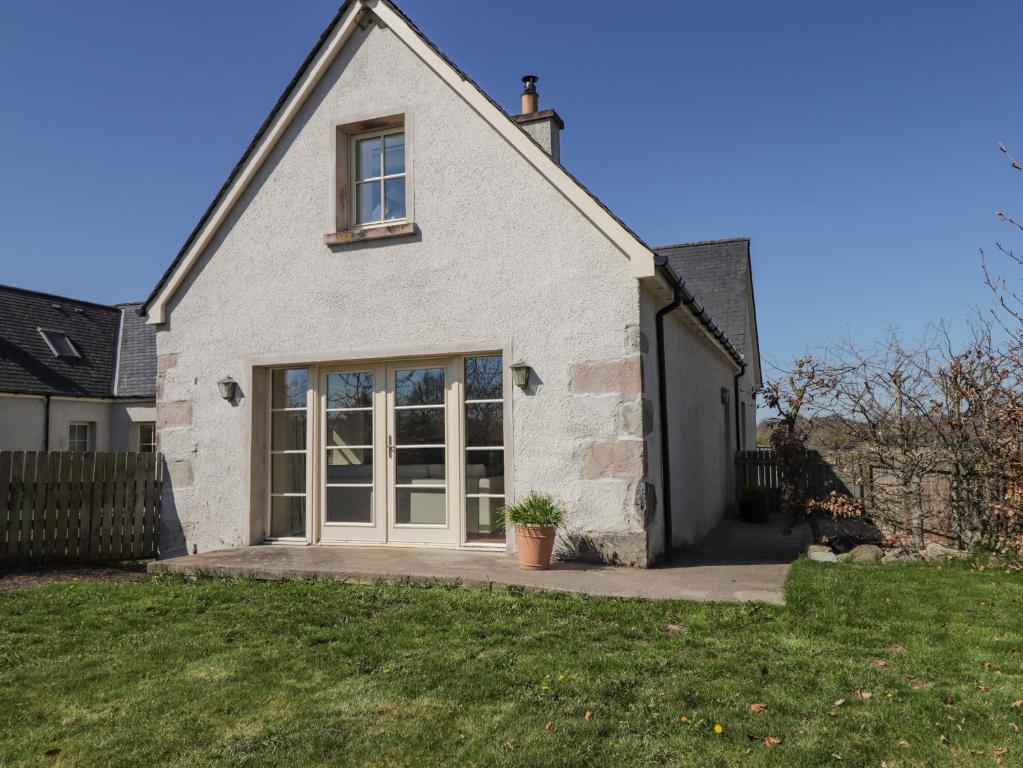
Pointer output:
78, 507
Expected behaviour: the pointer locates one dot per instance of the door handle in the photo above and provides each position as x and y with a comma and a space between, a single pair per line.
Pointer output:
390, 446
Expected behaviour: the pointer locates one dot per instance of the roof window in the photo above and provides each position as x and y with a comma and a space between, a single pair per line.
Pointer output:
60, 345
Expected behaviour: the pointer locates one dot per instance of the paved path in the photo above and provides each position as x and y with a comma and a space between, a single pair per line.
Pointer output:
736, 562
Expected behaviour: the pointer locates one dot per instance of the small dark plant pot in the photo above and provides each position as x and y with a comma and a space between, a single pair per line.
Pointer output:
753, 509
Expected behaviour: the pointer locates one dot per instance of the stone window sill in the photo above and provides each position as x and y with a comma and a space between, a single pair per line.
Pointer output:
366, 234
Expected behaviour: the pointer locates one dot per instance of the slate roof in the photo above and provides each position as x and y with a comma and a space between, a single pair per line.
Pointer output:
717, 272
28, 365
136, 366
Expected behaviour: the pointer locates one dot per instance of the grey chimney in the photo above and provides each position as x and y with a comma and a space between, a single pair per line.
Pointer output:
545, 126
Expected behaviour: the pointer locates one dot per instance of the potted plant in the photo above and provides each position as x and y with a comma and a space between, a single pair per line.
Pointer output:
536, 519
752, 504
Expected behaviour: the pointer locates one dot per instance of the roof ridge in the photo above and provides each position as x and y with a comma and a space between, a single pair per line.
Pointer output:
57, 297
718, 241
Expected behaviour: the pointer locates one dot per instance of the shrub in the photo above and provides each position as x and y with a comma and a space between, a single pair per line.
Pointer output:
536, 509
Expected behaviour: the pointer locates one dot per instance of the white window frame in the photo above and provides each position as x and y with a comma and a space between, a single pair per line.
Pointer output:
505, 403
353, 173
146, 446
88, 436
270, 453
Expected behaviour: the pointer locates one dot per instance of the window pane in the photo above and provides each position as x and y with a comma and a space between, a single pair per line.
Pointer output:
289, 388
394, 190
350, 390
368, 159
287, 431
287, 516
420, 506
394, 153
483, 378
484, 471
349, 465
349, 428
419, 466
484, 519
368, 202
484, 424
419, 426
420, 386
349, 505
287, 473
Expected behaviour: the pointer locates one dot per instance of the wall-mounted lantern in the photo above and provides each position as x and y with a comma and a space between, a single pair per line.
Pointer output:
520, 373
228, 388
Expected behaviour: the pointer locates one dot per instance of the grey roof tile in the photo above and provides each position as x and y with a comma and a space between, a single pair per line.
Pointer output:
29, 366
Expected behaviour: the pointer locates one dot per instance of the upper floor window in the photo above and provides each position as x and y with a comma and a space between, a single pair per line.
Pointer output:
379, 184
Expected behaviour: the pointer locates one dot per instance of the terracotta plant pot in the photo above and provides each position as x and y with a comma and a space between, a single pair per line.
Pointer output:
535, 543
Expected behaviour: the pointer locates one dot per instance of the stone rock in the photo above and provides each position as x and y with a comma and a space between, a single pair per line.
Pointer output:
900, 556
936, 553
865, 553
824, 557
817, 548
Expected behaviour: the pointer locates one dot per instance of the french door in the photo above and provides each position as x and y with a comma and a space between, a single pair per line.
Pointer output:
387, 464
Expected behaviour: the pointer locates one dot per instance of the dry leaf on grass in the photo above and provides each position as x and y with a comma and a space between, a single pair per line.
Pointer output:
772, 741
863, 694
839, 702
675, 629
757, 707
588, 715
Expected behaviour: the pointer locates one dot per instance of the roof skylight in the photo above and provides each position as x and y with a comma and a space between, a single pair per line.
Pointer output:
59, 343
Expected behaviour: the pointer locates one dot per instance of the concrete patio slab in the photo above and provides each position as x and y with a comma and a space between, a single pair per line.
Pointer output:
737, 562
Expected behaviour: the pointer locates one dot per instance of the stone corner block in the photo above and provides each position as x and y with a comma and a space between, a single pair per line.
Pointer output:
165, 362
622, 376
614, 459
176, 413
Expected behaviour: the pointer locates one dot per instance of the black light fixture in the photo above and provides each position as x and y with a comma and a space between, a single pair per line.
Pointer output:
228, 387
520, 373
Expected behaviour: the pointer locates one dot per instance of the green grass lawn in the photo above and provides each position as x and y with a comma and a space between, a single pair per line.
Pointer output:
240, 673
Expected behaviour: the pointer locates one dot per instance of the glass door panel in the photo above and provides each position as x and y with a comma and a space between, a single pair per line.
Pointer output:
351, 403
417, 441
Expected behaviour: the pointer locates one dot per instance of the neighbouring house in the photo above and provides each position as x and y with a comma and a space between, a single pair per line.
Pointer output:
401, 312
75, 376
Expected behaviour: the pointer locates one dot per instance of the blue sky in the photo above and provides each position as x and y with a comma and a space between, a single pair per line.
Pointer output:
854, 142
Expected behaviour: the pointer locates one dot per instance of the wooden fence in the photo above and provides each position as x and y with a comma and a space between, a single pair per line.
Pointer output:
846, 474
78, 507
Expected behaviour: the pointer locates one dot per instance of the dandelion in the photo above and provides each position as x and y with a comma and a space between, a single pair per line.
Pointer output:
718, 728
561, 678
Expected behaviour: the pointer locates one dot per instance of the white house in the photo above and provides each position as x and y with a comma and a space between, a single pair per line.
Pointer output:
74, 376
418, 314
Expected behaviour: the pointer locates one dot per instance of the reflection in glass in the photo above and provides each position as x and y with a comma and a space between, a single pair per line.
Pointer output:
287, 432
289, 387
394, 153
349, 465
419, 426
368, 202
483, 378
349, 428
419, 465
419, 386
420, 506
484, 424
368, 159
484, 472
394, 198
287, 516
287, 473
350, 390
349, 504
484, 519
